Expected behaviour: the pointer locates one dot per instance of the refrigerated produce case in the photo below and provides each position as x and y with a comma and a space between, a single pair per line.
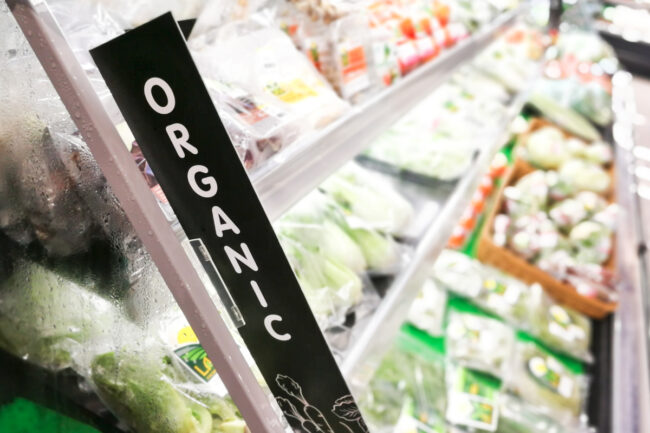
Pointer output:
128, 252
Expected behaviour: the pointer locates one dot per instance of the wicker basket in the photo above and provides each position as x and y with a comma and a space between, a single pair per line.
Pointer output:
510, 262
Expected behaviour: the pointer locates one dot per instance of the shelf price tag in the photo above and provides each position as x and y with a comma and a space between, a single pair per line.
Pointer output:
161, 95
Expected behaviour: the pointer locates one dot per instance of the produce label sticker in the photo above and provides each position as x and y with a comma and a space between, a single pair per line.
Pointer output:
161, 95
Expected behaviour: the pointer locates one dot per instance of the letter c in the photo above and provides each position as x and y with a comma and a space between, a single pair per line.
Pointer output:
268, 324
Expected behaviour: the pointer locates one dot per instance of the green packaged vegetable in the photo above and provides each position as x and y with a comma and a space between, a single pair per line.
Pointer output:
141, 388
541, 379
472, 399
479, 342
560, 327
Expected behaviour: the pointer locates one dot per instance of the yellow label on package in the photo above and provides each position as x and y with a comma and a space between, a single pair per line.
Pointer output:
291, 91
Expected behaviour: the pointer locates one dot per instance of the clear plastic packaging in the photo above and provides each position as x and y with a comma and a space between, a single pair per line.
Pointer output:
272, 70
472, 399
366, 196
479, 342
541, 379
428, 309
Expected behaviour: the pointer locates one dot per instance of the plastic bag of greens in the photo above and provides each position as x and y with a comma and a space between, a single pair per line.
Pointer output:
46, 318
504, 296
428, 310
541, 379
585, 176
411, 373
370, 198
330, 286
472, 399
458, 273
546, 148
144, 390
479, 342
559, 327
592, 241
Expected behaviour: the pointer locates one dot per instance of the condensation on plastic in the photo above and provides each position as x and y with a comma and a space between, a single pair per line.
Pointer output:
80, 292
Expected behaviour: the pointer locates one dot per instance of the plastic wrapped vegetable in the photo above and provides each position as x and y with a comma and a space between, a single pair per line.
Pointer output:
585, 176
560, 327
428, 310
370, 198
472, 399
46, 318
541, 379
528, 196
568, 213
546, 148
593, 242
479, 342
412, 373
504, 296
331, 287
313, 222
142, 389
458, 273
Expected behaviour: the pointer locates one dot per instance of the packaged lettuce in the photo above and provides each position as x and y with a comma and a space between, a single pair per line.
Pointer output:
546, 148
541, 379
145, 391
313, 223
458, 273
428, 310
370, 198
559, 327
411, 374
46, 318
585, 176
592, 241
330, 286
479, 342
472, 399
504, 296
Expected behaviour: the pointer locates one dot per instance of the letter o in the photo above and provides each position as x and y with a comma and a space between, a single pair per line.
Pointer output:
208, 181
169, 94
268, 324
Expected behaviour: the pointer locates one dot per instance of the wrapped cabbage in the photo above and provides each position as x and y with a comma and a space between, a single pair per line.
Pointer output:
517, 416
458, 273
331, 287
411, 373
428, 310
546, 148
593, 242
368, 197
567, 213
541, 379
478, 342
585, 176
472, 399
47, 319
559, 327
142, 388
313, 223
528, 196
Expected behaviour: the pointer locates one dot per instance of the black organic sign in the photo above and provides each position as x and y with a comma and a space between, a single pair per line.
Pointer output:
159, 90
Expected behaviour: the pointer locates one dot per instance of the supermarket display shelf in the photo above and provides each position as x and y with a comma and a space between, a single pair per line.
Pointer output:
370, 342
297, 170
